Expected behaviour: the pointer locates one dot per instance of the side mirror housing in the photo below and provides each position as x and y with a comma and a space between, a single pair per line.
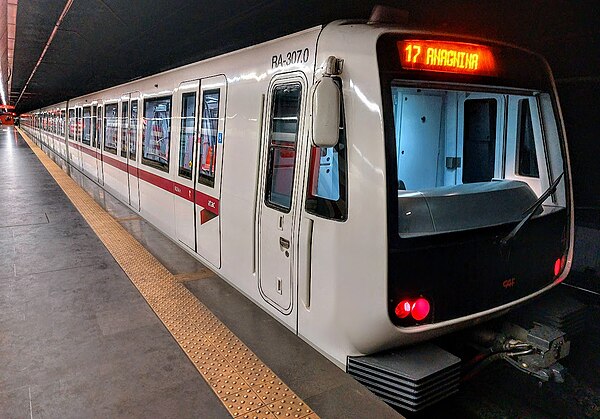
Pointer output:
326, 113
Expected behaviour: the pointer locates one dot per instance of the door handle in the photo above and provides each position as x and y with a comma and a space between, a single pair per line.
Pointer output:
284, 243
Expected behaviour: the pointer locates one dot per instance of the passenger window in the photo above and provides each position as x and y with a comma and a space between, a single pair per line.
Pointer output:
479, 146
87, 127
110, 128
526, 156
124, 127
283, 134
157, 133
71, 124
326, 195
186, 140
207, 153
133, 124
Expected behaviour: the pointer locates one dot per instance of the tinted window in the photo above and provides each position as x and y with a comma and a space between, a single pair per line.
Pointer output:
526, 156
79, 125
326, 195
209, 126
94, 125
62, 123
283, 133
133, 130
124, 127
99, 128
157, 133
111, 124
87, 126
71, 124
186, 140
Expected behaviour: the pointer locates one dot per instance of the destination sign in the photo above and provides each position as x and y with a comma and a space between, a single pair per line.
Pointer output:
451, 57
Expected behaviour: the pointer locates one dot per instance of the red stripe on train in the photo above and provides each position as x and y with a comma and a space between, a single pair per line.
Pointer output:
115, 163
209, 203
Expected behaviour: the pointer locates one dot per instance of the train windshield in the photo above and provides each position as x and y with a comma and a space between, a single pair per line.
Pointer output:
469, 159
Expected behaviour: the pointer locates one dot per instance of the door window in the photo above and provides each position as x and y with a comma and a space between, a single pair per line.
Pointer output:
99, 128
61, 128
209, 127
87, 127
124, 127
78, 125
93, 127
110, 128
133, 130
186, 140
283, 135
157, 133
71, 124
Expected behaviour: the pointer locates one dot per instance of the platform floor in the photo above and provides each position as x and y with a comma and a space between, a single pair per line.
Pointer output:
77, 339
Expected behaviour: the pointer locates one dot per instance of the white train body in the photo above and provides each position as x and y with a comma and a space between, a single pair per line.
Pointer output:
323, 273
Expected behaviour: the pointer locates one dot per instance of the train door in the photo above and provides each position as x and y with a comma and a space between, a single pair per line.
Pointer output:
79, 137
480, 137
183, 188
209, 159
72, 138
278, 206
131, 138
98, 144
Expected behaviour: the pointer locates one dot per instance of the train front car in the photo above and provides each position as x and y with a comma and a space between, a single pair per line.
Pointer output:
478, 212
459, 197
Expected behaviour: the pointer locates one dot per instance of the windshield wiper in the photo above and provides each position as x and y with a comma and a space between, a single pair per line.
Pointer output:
531, 210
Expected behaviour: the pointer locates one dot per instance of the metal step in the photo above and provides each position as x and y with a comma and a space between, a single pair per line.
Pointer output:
410, 378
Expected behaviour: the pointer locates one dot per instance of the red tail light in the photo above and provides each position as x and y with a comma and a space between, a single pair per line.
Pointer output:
419, 309
559, 265
403, 309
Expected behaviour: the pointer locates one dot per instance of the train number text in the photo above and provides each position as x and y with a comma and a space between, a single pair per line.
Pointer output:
291, 57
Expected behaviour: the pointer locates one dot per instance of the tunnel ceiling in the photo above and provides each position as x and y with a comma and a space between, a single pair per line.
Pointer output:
101, 43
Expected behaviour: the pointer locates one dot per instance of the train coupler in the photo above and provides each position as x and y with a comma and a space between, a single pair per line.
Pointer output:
540, 349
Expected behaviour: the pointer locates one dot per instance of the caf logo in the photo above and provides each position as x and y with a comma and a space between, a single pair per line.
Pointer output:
509, 283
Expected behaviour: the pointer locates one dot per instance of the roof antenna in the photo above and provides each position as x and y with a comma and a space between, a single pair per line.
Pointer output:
387, 14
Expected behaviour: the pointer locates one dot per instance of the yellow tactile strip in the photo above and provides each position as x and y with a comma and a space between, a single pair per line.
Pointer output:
246, 387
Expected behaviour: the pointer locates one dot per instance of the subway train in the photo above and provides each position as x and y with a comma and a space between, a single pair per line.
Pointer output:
371, 186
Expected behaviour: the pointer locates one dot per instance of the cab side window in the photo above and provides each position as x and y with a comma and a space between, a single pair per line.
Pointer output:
326, 194
526, 156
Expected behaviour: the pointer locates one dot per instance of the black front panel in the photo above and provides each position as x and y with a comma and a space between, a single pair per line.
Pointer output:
469, 272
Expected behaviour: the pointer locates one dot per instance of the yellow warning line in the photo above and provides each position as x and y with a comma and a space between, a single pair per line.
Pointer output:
246, 387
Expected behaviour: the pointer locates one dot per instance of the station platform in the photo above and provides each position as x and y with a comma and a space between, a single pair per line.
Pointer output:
103, 316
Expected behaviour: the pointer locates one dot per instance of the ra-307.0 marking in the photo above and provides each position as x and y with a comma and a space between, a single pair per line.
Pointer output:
291, 57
